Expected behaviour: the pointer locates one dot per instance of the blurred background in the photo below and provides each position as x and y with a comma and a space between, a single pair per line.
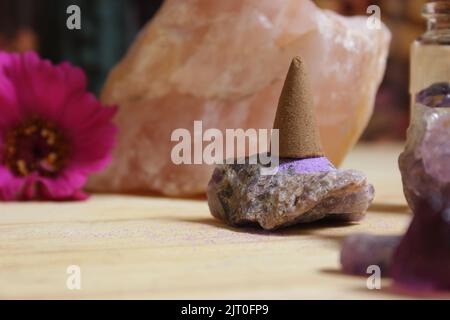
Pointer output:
113, 24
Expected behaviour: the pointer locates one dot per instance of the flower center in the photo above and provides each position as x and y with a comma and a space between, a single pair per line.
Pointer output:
35, 145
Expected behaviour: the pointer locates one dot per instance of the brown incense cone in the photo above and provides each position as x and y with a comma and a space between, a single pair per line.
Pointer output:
295, 118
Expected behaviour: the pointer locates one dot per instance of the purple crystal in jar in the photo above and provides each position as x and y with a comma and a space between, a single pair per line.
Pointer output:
311, 165
435, 96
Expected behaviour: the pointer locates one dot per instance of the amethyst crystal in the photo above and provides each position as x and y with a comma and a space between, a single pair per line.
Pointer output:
360, 251
422, 259
435, 96
301, 191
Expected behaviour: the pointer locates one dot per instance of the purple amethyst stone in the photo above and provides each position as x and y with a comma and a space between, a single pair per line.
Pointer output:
422, 260
435, 96
360, 251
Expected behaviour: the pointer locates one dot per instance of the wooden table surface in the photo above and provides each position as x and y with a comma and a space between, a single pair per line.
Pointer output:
142, 247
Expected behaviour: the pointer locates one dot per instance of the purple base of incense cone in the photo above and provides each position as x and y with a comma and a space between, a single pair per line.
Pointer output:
311, 165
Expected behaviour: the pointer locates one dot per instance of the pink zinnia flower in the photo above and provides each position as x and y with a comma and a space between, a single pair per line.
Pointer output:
53, 133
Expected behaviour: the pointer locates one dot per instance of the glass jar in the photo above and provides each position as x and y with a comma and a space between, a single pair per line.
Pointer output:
430, 53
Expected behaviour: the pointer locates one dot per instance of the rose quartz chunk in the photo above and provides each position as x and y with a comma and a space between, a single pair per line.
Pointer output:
224, 62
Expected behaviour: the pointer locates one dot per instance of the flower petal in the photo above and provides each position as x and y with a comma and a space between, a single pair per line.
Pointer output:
43, 88
63, 187
91, 133
10, 186
9, 110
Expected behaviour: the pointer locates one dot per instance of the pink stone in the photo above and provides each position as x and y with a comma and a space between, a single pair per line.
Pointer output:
224, 62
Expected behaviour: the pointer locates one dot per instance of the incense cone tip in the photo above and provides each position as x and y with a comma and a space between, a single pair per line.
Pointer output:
295, 118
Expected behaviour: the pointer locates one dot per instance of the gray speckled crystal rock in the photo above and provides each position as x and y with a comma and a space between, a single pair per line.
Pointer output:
240, 195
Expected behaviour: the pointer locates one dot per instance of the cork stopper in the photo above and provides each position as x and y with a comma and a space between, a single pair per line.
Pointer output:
295, 118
